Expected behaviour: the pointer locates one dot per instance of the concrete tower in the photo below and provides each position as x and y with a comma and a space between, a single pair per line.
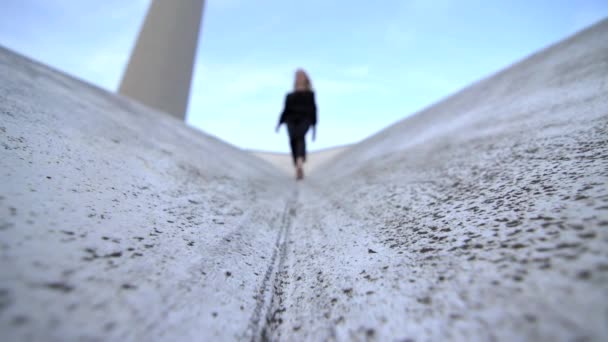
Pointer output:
159, 72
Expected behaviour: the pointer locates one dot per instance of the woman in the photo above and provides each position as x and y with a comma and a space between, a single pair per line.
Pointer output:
299, 114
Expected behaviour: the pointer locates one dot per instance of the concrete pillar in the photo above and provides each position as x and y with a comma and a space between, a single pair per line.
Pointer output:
159, 72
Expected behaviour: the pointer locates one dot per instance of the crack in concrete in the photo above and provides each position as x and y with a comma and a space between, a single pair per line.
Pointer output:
265, 298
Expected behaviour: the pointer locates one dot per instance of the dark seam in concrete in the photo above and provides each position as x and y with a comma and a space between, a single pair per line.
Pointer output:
276, 300
269, 282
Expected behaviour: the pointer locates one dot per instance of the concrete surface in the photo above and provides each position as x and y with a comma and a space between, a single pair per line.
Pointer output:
159, 72
121, 223
315, 159
482, 217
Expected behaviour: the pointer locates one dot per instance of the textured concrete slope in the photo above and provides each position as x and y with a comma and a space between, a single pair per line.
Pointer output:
121, 223
531, 92
484, 217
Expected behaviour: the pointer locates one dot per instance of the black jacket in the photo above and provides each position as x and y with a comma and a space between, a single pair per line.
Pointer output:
300, 105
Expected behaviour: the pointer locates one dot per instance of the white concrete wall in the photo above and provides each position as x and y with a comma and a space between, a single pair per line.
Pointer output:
159, 72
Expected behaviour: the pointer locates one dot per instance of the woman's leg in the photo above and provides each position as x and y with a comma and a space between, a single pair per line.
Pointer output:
294, 149
293, 141
297, 140
301, 152
299, 168
301, 135
301, 148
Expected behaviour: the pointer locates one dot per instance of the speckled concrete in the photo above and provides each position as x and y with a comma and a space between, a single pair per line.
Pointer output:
483, 217
121, 223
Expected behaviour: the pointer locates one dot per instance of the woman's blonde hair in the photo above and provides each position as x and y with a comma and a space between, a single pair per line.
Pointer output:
302, 81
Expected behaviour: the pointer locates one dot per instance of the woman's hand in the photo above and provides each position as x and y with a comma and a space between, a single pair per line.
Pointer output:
277, 129
314, 133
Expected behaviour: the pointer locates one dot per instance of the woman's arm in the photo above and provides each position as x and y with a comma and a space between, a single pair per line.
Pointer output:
283, 113
313, 117
314, 110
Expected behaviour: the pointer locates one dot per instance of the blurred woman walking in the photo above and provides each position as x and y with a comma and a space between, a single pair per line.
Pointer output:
299, 114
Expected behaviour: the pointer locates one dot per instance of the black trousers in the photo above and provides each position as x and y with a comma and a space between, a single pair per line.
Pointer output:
297, 132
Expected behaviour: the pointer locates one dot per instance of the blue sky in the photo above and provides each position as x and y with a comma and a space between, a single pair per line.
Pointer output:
371, 63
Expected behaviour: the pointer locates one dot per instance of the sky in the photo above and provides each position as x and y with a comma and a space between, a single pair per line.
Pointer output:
371, 63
